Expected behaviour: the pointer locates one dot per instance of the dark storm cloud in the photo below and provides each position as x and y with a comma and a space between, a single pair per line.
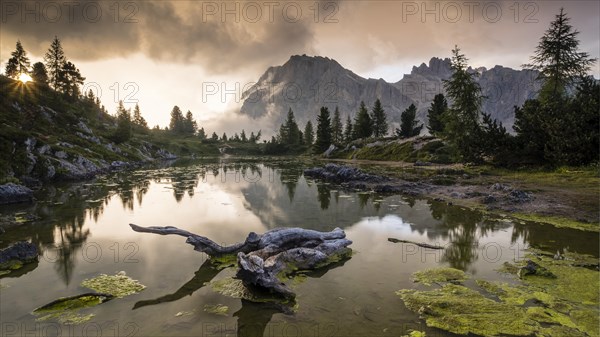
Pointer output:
180, 31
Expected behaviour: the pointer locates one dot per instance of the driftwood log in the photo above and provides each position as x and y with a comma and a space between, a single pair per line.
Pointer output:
265, 259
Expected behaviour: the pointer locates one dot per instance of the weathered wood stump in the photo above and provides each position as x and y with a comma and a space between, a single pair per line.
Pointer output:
264, 260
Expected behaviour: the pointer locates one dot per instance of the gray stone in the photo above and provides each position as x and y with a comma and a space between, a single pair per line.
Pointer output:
12, 193
19, 253
329, 150
61, 155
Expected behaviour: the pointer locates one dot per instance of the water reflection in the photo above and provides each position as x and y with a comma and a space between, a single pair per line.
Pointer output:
278, 195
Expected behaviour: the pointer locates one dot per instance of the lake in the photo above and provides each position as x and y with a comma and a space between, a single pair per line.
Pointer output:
82, 231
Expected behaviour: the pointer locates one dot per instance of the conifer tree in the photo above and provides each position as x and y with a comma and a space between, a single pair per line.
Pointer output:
408, 125
337, 129
55, 59
380, 125
435, 115
363, 126
323, 131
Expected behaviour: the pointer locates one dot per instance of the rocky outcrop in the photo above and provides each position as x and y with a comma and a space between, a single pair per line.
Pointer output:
18, 254
12, 193
306, 83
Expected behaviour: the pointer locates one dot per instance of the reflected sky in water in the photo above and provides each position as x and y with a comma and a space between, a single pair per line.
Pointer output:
82, 230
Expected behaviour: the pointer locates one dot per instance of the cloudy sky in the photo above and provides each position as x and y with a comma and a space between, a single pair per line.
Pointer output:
200, 55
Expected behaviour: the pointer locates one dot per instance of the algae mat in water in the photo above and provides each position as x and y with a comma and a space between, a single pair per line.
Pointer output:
566, 305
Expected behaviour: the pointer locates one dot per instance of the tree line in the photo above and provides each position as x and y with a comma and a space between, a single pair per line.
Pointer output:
56, 70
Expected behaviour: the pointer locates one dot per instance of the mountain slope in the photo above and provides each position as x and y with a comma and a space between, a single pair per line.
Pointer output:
306, 83
46, 136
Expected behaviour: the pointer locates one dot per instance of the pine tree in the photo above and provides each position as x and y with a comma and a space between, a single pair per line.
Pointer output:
558, 59
202, 134
176, 125
214, 137
189, 126
380, 125
138, 119
461, 120
243, 137
435, 115
554, 126
348, 131
39, 73
337, 129
323, 131
11, 69
291, 130
224, 137
123, 131
309, 134
19, 62
408, 125
363, 126
55, 59
69, 80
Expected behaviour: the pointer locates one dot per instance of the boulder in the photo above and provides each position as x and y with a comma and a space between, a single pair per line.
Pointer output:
18, 254
12, 193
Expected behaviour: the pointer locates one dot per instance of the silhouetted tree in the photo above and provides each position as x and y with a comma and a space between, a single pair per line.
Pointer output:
69, 80
19, 62
348, 131
123, 131
435, 115
380, 125
177, 125
55, 59
323, 131
363, 126
39, 73
408, 125
309, 134
138, 119
337, 129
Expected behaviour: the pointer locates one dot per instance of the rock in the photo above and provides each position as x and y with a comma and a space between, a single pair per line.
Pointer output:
489, 199
377, 143
341, 174
500, 187
61, 155
532, 268
422, 163
457, 195
329, 150
14, 256
118, 165
519, 197
164, 154
92, 138
44, 149
31, 182
12, 193
84, 128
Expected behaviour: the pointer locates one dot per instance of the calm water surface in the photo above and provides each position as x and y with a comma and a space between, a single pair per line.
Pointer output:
82, 230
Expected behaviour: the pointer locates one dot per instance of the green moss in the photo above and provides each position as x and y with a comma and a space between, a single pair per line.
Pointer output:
462, 310
118, 285
66, 310
566, 305
559, 222
235, 288
416, 333
217, 309
224, 261
439, 275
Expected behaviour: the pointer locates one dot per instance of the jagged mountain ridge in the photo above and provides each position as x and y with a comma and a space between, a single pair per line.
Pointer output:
305, 83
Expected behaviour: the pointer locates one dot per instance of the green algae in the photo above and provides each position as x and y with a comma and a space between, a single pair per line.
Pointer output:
439, 275
119, 285
224, 261
461, 310
416, 333
559, 222
66, 310
566, 305
217, 309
